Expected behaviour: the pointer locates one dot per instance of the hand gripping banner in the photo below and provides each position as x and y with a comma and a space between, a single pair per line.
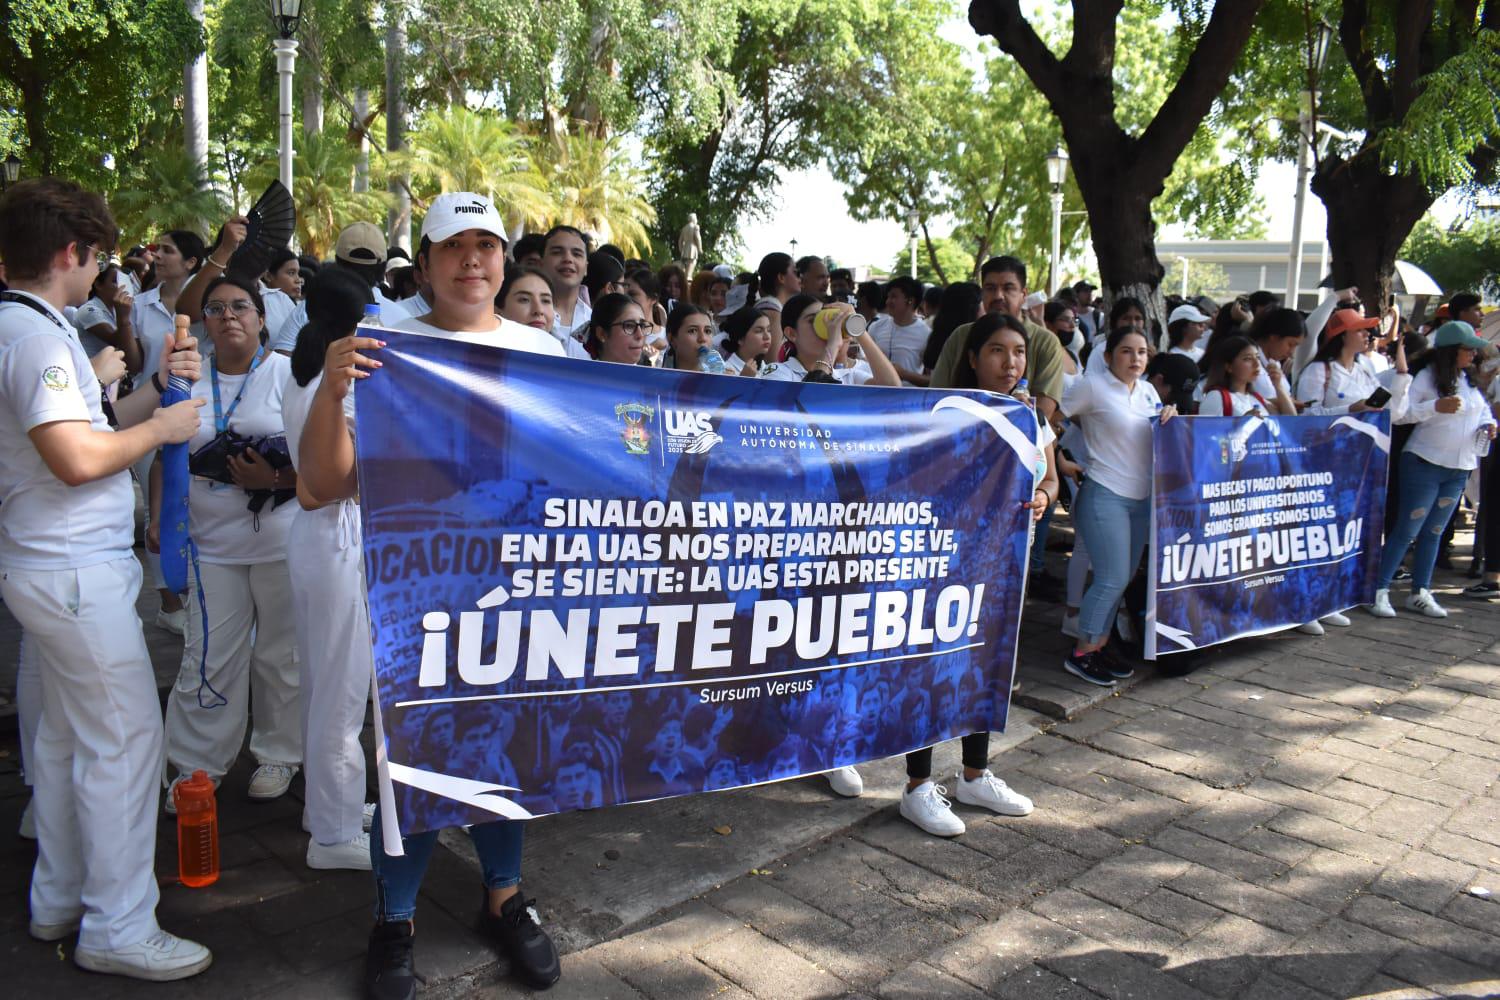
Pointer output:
1260, 523
592, 584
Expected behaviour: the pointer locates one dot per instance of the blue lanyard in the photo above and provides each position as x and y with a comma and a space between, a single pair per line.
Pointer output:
221, 419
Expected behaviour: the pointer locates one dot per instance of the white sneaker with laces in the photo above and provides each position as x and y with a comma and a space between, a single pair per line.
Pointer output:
28, 823
172, 621
989, 792
1310, 628
928, 809
270, 781
1337, 620
846, 781
160, 958
1381, 608
1423, 601
1070, 624
353, 855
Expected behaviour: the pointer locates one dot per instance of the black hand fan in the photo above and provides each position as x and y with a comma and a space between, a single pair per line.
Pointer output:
272, 221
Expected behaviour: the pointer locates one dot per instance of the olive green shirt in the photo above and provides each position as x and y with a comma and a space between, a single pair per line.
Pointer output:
1044, 360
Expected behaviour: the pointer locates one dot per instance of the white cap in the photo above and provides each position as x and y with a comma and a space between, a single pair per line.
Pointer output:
1033, 300
1188, 312
724, 271
453, 212
737, 299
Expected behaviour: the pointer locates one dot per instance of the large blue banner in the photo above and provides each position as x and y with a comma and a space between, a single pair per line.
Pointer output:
1261, 523
592, 584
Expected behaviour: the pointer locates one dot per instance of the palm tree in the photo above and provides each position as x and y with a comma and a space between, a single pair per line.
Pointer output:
166, 190
455, 149
323, 190
597, 188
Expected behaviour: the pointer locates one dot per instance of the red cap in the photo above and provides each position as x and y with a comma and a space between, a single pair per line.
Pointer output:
1344, 320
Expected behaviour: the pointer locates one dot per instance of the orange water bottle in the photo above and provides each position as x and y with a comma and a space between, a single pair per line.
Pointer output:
197, 831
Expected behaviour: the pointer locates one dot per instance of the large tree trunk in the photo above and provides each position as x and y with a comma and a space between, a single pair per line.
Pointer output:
1124, 235
195, 101
398, 229
34, 108
312, 102
362, 128
1370, 214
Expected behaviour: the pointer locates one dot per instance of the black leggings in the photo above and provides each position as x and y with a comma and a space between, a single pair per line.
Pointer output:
976, 755
1489, 511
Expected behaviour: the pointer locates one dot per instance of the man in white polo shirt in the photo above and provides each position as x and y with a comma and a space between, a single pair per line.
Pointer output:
901, 333
68, 574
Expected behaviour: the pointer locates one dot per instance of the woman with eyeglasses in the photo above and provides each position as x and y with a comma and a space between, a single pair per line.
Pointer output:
239, 658
617, 330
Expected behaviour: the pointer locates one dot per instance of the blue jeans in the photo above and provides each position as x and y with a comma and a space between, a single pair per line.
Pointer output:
1039, 540
397, 880
1428, 497
1102, 516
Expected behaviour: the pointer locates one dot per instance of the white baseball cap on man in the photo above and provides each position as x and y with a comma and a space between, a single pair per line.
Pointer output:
453, 212
1188, 312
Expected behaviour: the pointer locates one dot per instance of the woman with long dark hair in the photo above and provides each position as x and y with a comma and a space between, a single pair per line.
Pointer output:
960, 305
689, 330
1337, 380
1229, 382
775, 282
1454, 428
747, 337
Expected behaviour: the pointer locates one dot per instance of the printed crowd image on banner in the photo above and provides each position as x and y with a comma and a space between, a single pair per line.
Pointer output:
593, 584
1261, 523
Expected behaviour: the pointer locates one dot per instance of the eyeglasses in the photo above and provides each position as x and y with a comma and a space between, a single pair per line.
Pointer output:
632, 327
241, 307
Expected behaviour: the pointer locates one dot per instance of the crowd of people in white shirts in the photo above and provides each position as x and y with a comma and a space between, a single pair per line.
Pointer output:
276, 635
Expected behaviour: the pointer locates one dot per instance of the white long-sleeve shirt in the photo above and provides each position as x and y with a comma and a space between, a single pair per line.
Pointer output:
1445, 439
1329, 388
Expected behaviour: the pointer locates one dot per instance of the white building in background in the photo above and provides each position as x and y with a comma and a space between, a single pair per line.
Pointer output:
1253, 265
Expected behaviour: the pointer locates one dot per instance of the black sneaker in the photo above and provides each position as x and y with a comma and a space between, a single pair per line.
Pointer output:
1483, 591
518, 933
389, 971
1088, 667
1115, 662
1401, 576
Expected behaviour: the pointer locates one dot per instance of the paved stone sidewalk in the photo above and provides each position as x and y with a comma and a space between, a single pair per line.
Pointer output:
1303, 819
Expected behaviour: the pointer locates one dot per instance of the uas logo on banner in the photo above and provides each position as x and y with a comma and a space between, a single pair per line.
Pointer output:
1260, 523
592, 584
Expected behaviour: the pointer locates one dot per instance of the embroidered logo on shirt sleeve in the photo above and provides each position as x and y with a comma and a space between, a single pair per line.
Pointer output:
56, 378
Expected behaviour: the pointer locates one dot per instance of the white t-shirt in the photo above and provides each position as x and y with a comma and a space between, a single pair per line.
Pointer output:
1117, 424
44, 378
296, 403
792, 371
1240, 403
219, 517
507, 333
279, 305
1195, 352
89, 315
154, 323
902, 344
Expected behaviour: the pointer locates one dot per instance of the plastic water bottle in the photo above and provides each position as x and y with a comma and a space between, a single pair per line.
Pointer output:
197, 831
710, 361
372, 315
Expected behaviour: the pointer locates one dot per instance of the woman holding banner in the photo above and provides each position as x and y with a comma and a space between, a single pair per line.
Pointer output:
1454, 428
463, 254
1229, 386
994, 360
1121, 409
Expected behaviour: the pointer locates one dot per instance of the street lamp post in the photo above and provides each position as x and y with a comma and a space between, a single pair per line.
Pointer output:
1057, 170
10, 171
1317, 57
912, 221
794, 251
287, 13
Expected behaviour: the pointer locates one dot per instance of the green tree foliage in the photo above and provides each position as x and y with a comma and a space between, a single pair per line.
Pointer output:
323, 189
1464, 258
455, 149
166, 190
941, 261
83, 78
596, 187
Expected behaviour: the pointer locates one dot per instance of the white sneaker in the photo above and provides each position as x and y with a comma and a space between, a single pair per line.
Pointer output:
1423, 601
1382, 606
270, 781
989, 792
1310, 628
1070, 624
28, 823
58, 931
170, 805
160, 958
926, 807
172, 621
1337, 620
353, 854
846, 781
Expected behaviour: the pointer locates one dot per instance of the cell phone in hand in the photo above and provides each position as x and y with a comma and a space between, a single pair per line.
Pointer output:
1378, 399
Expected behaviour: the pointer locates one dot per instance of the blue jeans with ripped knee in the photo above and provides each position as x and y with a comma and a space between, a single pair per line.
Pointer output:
1428, 498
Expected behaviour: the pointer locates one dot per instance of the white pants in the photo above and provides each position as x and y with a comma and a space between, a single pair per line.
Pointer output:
142, 470
333, 644
250, 632
28, 701
98, 750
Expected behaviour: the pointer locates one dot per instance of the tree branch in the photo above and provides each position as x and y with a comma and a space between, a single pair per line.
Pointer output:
1003, 20
1354, 25
1413, 21
1203, 79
